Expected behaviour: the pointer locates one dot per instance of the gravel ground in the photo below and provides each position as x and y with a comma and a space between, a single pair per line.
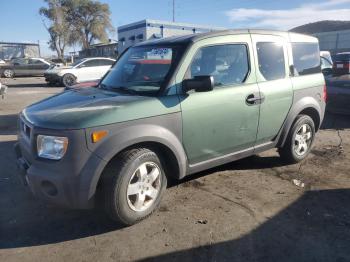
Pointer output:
249, 210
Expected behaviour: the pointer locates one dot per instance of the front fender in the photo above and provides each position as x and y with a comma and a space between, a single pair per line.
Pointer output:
165, 130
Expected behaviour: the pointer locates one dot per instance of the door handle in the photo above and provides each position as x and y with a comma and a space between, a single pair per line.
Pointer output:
255, 99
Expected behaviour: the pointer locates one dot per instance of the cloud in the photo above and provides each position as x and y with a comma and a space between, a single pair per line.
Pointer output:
289, 18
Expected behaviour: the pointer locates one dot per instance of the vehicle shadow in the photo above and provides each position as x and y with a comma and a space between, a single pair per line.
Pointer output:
25, 221
316, 227
335, 121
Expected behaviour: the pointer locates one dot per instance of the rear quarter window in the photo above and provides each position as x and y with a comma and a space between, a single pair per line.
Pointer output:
306, 57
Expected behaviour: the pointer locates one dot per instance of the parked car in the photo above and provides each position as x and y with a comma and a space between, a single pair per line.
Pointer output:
2, 62
341, 63
149, 121
87, 69
327, 55
24, 67
326, 66
338, 92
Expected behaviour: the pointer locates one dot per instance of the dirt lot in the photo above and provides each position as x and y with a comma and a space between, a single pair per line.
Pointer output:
249, 210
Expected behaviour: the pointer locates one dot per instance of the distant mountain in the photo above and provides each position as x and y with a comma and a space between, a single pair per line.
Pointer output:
322, 26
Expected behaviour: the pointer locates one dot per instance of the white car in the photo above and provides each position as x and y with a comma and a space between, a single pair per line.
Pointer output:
87, 69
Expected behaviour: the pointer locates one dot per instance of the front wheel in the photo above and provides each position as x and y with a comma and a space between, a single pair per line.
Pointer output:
68, 80
299, 140
133, 185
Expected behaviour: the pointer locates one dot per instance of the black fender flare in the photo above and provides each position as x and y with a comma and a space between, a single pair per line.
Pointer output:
301, 105
125, 137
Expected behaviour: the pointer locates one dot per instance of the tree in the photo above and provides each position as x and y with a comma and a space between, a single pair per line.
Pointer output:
61, 32
90, 19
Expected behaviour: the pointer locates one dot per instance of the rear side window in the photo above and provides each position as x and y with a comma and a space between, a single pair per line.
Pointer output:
271, 60
306, 57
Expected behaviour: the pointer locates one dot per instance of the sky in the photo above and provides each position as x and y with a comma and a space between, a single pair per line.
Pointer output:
20, 21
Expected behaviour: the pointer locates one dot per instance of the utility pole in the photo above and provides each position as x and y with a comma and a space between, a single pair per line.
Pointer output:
173, 10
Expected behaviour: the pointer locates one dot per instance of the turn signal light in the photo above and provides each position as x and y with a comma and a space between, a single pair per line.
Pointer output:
98, 135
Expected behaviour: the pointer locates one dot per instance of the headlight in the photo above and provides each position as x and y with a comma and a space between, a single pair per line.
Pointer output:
51, 147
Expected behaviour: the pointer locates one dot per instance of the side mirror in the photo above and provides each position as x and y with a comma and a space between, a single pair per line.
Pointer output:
199, 84
82, 66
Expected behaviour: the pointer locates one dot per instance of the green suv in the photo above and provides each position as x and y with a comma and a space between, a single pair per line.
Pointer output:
169, 108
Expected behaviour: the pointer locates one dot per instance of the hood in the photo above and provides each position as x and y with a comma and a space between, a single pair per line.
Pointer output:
90, 107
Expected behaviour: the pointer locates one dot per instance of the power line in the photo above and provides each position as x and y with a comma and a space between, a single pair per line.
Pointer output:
173, 10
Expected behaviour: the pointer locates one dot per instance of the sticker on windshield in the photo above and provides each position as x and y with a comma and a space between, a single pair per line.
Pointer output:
160, 51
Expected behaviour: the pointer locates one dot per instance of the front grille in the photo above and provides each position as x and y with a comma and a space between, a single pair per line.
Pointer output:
25, 129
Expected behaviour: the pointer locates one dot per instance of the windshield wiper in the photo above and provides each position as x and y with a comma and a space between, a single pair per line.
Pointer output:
126, 90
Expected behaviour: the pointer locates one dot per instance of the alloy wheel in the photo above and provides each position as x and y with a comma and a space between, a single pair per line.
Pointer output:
8, 73
302, 140
144, 186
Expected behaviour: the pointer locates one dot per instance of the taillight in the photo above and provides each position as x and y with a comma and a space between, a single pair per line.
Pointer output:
324, 93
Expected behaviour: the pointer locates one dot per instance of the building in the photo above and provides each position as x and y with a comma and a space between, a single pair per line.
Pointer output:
133, 33
10, 50
101, 50
334, 41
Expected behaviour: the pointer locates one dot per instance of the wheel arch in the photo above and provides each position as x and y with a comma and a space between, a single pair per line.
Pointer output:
306, 106
156, 138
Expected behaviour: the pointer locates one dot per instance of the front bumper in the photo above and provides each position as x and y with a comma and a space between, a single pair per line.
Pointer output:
67, 182
52, 78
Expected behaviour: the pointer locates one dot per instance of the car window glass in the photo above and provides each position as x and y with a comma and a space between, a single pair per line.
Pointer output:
325, 63
91, 63
271, 60
228, 64
306, 58
20, 61
35, 62
343, 57
106, 62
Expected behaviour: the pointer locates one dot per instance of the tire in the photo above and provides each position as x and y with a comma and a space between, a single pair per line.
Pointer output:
68, 80
8, 73
126, 176
299, 141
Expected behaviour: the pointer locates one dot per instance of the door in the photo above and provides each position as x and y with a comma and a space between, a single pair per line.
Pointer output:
20, 66
37, 67
88, 70
221, 121
104, 66
272, 63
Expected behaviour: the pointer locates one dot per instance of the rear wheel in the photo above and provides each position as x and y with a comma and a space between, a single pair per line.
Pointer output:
68, 80
133, 185
8, 73
299, 140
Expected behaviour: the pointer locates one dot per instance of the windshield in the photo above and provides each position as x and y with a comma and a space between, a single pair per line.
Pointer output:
140, 69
